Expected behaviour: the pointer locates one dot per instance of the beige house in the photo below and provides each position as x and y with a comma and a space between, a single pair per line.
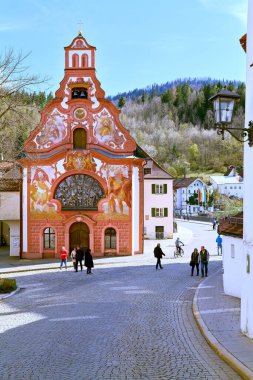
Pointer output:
10, 186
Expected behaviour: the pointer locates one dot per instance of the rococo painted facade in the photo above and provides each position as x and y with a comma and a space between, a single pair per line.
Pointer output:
82, 177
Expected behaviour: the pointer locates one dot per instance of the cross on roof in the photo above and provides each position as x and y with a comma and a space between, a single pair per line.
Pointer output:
80, 23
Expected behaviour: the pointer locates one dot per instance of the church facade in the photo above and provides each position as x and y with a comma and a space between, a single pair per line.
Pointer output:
82, 178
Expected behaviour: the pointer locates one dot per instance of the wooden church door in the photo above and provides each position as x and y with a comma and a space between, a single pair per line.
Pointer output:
79, 236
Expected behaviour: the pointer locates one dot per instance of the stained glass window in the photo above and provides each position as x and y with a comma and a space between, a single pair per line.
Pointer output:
79, 192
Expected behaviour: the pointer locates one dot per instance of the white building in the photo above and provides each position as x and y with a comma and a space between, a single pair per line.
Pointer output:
10, 207
231, 184
238, 252
158, 202
191, 196
231, 229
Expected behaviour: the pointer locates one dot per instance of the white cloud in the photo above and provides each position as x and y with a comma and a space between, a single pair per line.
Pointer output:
235, 8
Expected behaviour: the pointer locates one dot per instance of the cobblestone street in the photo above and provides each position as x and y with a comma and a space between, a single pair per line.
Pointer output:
119, 323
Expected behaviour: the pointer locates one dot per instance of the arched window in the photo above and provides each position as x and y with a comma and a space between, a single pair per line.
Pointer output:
79, 138
84, 60
79, 93
110, 238
79, 192
75, 60
49, 238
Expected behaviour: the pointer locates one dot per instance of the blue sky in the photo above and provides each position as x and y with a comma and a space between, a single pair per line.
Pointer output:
139, 42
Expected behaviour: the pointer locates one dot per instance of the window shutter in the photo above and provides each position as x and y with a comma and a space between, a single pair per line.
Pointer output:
153, 188
165, 188
165, 212
153, 211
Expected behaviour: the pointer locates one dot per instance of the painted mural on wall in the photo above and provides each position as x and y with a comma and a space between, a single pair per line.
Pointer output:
106, 132
119, 192
40, 187
115, 204
80, 161
53, 132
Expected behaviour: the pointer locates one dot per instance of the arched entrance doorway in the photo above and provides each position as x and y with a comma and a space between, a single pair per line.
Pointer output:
79, 236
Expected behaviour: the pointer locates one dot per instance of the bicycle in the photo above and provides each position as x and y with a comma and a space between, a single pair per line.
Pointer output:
178, 252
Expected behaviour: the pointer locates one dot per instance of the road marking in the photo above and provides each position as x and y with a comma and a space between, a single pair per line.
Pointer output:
204, 298
73, 318
138, 291
58, 304
220, 310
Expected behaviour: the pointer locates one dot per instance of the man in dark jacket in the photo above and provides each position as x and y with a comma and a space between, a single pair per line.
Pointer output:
79, 258
158, 253
204, 258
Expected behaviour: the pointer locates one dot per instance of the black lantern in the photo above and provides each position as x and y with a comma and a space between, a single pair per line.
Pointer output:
223, 103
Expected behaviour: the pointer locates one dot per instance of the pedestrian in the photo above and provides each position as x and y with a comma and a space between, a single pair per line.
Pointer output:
158, 253
214, 224
195, 261
204, 258
88, 260
219, 244
79, 258
73, 257
63, 257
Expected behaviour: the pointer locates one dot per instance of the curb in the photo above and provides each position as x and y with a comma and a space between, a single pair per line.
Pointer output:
218, 348
3, 297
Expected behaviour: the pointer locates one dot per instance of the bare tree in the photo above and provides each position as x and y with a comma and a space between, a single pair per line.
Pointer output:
18, 114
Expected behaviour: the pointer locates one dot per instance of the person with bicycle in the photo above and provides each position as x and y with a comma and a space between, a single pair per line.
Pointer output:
178, 245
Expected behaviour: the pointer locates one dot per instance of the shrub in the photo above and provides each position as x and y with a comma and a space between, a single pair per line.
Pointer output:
7, 285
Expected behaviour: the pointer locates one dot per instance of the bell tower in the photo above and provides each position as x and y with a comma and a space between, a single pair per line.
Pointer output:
79, 55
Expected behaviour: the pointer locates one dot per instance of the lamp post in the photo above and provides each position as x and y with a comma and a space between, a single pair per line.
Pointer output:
223, 104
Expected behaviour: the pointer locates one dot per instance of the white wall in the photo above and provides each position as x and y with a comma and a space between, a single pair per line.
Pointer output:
247, 299
135, 210
233, 264
10, 205
158, 201
231, 189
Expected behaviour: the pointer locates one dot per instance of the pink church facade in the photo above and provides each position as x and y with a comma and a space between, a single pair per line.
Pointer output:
82, 178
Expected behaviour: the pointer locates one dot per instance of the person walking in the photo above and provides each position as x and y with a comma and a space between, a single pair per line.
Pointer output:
219, 244
79, 258
73, 257
88, 261
195, 261
63, 257
204, 258
158, 253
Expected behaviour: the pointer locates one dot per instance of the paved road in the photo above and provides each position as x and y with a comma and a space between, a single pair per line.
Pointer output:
119, 323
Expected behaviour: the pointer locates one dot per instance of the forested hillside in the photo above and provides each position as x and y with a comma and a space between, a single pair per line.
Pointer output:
173, 122
176, 126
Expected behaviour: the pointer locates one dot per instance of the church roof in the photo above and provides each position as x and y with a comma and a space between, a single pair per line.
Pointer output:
156, 171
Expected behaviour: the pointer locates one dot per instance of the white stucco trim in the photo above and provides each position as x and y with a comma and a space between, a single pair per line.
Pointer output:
80, 53
135, 210
24, 210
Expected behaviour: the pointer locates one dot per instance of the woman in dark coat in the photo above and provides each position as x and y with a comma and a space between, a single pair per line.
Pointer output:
88, 261
195, 261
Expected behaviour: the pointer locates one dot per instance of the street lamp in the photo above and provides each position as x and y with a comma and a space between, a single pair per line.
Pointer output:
223, 103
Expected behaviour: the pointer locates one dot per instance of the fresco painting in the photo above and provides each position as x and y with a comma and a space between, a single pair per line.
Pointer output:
53, 132
106, 132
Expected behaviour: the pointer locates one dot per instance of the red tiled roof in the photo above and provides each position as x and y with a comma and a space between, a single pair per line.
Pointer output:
185, 182
243, 42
